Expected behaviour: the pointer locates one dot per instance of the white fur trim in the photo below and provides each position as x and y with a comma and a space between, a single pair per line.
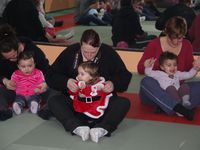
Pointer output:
100, 108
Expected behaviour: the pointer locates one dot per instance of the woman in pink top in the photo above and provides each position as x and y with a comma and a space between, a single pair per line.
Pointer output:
29, 82
173, 41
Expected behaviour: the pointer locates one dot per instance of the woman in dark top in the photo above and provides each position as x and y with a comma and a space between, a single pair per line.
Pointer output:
126, 27
62, 74
23, 16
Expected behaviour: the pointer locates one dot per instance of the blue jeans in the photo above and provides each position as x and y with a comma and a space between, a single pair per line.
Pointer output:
87, 19
23, 100
152, 93
8, 96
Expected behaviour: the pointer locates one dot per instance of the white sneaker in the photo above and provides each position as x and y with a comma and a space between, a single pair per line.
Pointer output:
69, 35
16, 108
178, 114
83, 132
186, 103
34, 107
96, 133
142, 18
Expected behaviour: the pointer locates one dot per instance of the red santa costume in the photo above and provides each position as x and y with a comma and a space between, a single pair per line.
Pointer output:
91, 100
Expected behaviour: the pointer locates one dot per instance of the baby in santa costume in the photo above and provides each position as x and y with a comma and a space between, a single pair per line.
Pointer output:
90, 99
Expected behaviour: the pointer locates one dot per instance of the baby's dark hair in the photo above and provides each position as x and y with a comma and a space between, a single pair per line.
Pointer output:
92, 69
25, 55
167, 55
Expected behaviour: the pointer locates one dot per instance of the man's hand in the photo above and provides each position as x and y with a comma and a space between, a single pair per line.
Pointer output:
9, 84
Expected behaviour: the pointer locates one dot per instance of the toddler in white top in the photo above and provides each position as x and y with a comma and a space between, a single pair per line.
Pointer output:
169, 77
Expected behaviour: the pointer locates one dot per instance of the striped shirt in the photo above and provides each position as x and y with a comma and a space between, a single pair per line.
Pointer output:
26, 84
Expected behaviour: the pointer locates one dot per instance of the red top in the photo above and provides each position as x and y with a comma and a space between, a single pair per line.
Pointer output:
185, 57
194, 33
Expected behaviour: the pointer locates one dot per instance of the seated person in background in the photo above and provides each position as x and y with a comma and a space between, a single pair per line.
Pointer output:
104, 10
196, 5
145, 10
169, 77
115, 6
3, 5
98, 13
194, 34
22, 15
182, 9
50, 19
105, 4
30, 83
49, 27
86, 13
90, 98
126, 27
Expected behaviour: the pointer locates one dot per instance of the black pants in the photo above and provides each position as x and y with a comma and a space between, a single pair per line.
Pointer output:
8, 96
62, 108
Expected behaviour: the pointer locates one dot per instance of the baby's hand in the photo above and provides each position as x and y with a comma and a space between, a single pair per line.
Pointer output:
149, 62
42, 88
81, 84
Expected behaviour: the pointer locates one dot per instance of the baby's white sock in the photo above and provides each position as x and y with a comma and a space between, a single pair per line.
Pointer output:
83, 132
96, 133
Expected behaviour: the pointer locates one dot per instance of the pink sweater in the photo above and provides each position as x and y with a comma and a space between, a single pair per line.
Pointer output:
26, 84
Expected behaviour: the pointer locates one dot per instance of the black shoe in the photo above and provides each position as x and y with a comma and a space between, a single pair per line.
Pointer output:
58, 23
158, 110
45, 114
187, 113
5, 114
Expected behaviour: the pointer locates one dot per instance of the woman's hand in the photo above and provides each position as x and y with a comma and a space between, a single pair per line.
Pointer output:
108, 87
72, 85
196, 64
9, 84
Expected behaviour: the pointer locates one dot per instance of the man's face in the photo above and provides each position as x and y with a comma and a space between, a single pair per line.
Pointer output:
12, 55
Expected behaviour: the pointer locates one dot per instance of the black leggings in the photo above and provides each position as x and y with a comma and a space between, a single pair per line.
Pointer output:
62, 108
6, 97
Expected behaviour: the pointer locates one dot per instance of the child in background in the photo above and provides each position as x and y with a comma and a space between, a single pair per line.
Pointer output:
30, 83
98, 11
169, 77
90, 99
49, 26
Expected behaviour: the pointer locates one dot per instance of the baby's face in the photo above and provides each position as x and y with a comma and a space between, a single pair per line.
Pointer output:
169, 66
26, 66
83, 75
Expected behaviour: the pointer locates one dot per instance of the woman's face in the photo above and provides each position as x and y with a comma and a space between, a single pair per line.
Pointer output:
176, 41
12, 55
88, 51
